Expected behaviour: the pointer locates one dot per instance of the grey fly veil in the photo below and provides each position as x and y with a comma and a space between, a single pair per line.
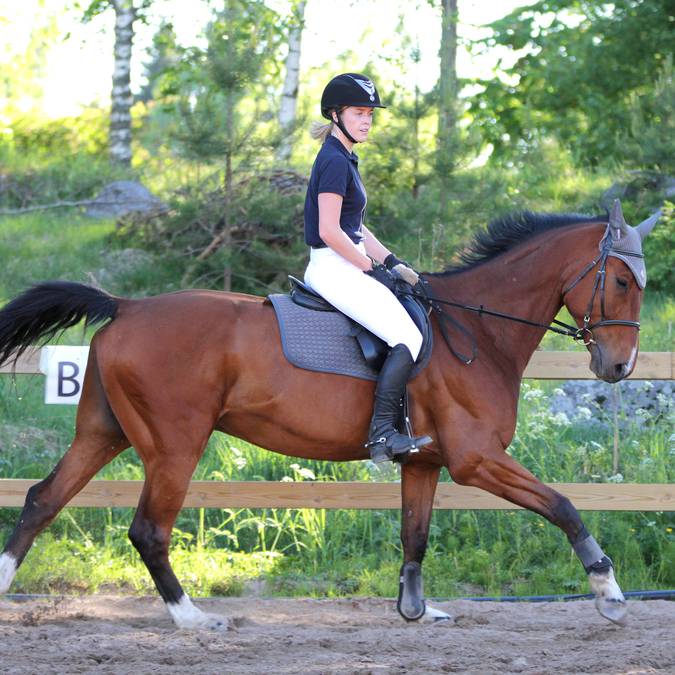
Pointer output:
627, 241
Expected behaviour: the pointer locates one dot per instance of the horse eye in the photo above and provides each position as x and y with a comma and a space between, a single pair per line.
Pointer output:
621, 283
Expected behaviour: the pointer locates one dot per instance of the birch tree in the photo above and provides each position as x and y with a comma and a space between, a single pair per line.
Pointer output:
447, 102
126, 13
289, 94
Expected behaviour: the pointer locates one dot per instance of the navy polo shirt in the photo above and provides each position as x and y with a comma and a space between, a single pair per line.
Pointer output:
335, 170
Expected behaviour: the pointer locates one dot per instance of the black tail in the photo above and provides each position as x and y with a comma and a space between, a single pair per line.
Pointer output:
43, 310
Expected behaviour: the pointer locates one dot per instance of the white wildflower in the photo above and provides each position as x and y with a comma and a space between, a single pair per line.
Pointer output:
533, 394
560, 419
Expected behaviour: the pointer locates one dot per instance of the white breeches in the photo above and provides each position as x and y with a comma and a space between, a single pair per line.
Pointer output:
362, 298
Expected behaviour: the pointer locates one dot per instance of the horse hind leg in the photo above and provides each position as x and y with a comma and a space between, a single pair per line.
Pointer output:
166, 484
418, 485
98, 439
170, 450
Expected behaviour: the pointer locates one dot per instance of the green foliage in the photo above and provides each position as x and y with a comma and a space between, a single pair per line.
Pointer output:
93, 8
48, 161
650, 140
88, 567
163, 55
259, 246
583, 60
659, 250
207, 86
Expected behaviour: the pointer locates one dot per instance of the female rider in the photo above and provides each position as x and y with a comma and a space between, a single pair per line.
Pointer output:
348, 265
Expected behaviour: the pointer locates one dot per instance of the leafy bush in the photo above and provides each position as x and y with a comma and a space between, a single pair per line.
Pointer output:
658, 249
48, 161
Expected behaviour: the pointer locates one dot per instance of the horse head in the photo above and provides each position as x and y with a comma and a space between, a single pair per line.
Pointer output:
605, 297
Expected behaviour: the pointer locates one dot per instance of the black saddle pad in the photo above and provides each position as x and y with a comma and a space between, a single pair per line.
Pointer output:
325, 342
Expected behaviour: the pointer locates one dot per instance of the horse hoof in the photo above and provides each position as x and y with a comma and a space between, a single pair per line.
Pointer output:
216, 623
614, 609
609, 600
411, 605
186, 616
433, 615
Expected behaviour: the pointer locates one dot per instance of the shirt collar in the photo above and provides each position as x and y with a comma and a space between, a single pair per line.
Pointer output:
335, 142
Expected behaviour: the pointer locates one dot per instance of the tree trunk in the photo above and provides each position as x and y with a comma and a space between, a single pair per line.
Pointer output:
120, 114
447, 104
416, 144
229, 131
289, 94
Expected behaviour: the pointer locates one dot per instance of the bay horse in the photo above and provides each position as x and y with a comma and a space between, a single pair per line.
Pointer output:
164, 372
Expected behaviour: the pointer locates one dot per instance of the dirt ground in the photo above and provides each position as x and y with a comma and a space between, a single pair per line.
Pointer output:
130, 635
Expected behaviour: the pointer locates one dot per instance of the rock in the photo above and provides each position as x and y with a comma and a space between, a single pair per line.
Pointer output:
122, 197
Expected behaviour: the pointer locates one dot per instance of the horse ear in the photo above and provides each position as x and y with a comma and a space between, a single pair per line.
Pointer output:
646, 226
617, 223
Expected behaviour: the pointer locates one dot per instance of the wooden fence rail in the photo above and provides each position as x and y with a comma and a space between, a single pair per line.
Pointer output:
543, 366
353, 495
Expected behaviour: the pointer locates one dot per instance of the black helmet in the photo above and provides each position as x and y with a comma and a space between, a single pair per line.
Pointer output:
349, 89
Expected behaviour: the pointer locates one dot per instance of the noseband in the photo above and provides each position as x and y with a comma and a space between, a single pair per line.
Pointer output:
583, 334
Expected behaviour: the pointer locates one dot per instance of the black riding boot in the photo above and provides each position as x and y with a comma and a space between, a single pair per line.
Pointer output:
385, 442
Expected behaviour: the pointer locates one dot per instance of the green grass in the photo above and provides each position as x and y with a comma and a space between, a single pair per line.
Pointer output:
305, 551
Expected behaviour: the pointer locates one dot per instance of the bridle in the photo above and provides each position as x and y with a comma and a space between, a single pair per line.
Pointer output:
599, 283
583, 334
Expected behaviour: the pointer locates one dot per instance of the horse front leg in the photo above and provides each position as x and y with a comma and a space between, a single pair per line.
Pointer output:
418, 486
493, 470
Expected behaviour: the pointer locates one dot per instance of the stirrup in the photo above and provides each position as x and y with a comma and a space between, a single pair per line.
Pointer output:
381, 451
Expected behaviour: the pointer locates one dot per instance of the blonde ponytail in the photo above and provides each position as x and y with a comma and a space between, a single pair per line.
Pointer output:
320, 132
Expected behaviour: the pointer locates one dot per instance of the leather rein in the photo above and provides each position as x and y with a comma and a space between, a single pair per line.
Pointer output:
583, 334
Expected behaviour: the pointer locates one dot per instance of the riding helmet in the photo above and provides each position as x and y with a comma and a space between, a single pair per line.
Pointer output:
349, 89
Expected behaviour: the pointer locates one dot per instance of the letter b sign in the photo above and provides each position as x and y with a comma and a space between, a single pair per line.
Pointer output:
64, 368
67, 379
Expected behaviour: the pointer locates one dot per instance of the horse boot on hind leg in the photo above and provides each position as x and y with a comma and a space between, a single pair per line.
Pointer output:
418, 485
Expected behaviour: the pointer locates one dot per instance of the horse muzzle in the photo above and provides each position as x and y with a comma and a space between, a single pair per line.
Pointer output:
607, 368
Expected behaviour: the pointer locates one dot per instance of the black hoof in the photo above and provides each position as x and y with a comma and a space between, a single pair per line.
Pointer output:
411, 605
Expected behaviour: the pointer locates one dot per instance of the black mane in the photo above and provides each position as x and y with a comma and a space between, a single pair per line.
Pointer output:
503, 234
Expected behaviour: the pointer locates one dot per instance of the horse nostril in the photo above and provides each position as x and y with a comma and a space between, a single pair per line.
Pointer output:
620, 370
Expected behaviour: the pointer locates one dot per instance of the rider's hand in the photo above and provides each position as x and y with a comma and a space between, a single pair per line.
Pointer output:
383, 275
402, 269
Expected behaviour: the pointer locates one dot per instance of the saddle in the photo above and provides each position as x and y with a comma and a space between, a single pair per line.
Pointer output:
316, 336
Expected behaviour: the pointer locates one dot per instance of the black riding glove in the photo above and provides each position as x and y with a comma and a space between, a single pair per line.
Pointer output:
402, 269
383, 275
